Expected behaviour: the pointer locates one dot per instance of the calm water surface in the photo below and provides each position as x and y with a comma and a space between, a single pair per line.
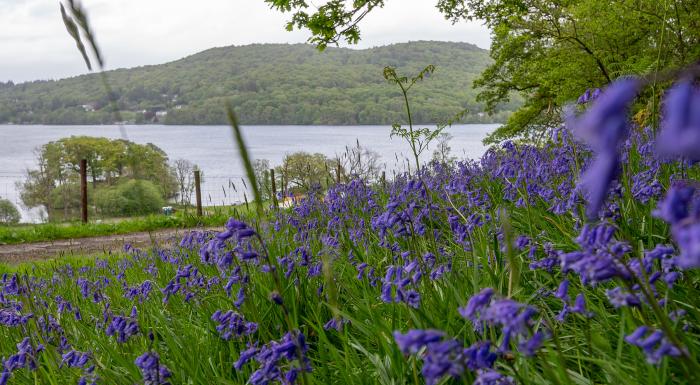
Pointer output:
213, 149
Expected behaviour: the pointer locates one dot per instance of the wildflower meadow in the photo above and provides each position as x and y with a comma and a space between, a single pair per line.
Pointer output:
569, 261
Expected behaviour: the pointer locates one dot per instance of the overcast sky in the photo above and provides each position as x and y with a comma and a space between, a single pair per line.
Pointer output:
35, 45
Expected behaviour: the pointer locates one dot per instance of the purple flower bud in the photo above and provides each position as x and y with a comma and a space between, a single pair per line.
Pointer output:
603, 127
276, 298
680, 126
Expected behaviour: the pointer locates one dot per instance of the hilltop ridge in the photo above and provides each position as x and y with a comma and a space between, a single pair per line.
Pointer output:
267, 84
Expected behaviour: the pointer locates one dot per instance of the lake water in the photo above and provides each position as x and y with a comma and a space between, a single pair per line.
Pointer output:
213, 149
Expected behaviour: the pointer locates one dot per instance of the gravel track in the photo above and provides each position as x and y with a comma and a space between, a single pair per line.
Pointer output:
37, 251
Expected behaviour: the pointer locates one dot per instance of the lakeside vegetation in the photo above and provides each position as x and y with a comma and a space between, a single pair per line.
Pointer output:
125, 178
271, 84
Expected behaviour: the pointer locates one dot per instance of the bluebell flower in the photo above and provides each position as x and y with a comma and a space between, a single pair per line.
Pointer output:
654, 343
444, 356
563, 290
588, 96
245, 356
336, 323
414, 340
580, 306
603, 127
513, 318
530, 346
681, 209
480, 356
492, 377
74, 359
123, 327
680, 124
233, 325
152, 371
26, 357
279, 360
620, 297
601, 257
476, 303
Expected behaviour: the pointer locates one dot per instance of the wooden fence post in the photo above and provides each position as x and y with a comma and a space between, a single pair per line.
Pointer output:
198, 192
83, 191
274, 187
337, 172
384, 179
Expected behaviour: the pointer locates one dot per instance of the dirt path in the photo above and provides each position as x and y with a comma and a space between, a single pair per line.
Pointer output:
28, 252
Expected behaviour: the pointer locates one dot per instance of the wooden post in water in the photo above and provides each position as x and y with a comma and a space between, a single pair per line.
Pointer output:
274, 187
83, 191
198, 192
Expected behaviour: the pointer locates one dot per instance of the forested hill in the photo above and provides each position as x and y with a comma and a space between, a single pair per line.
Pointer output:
267, 84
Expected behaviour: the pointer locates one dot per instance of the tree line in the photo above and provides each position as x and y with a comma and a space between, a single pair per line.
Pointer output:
268, 84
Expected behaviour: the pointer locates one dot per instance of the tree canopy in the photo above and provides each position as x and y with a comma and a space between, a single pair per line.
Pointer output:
54, 184
9, 214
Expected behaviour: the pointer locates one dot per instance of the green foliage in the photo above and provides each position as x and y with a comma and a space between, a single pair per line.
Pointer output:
261, 169
267, 84
133, 197
418, 139
302, 172
23, 233
54, 184
330, 22
8, 213
551, 52
547, 51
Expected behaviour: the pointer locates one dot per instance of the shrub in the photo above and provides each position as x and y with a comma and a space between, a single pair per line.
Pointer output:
134, 197
8, 213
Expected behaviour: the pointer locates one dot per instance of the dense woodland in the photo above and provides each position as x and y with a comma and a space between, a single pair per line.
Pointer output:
267, 84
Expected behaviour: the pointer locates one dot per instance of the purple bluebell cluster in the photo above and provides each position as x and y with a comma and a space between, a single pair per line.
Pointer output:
152, 371
75, 359
577, 306
279, 361
492, 377
443, 356
681, 209
336, 323
514, 319
402, 278
654, 344
140, 291
26, 357
123, 327
232, 325
588, 96
601, 257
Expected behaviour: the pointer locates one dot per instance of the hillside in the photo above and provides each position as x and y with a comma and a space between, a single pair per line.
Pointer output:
268, 84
